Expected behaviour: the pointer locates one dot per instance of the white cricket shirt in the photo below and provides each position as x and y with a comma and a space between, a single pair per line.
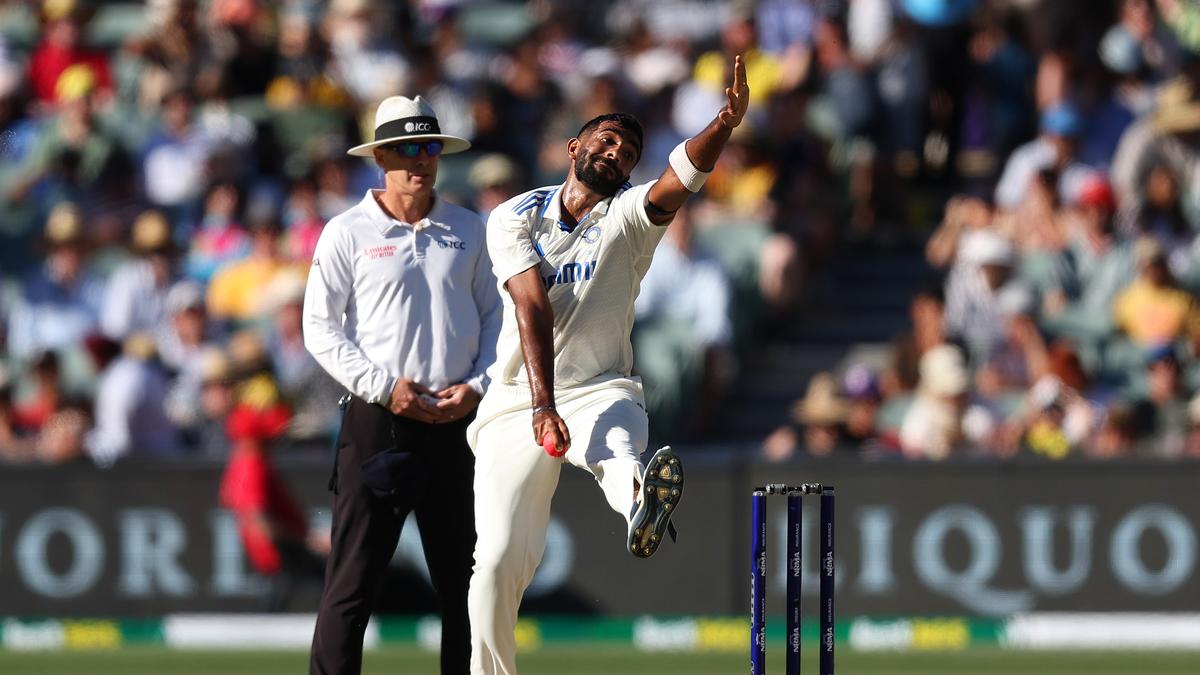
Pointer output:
592, 273
388, 299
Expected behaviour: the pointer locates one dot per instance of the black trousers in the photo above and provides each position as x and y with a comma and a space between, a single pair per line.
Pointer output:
366, 530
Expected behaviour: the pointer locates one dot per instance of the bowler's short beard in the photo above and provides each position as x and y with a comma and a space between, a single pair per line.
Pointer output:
588, 173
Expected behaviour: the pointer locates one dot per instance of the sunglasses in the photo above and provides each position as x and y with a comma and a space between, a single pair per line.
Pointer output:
431, 148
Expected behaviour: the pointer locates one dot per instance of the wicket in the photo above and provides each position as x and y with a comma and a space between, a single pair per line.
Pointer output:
758, 575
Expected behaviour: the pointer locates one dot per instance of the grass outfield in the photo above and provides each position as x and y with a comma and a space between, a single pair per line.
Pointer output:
595, 661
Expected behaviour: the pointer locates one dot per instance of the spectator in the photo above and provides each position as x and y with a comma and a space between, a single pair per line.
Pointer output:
232, 295
184, 346
1165, 137
174, 160
228, 130
1057, 420
60, 302
495, 179
1116, 436
62, 440
744, 178
21, 133
783, 25
705, 91
183, 336
35, 410
273, 529
528, 97
1055, 149
821, 415
220, 238
983, 293
684, 331
845, 88
1020, 358
362, 57
312, 392
1154, 42
333, 187
174, 50
1159, 213
1097, 265
1160, 416
130, 411
963, 216
822, 412
945, 96
932, 427
301, 73
1131, 96
207, 434
135, 299
302, 222
1154, 310
15, 446
860, 388
901, 376
59, 54
75, 157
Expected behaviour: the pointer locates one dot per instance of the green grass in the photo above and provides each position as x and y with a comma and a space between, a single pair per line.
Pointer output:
598, 661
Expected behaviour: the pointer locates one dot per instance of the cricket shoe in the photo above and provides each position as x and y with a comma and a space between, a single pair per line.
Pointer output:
658, 497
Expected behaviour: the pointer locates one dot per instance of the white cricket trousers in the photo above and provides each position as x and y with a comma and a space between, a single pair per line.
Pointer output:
515, 481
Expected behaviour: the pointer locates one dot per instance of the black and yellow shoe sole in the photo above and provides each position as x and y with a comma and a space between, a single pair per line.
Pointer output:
662, 488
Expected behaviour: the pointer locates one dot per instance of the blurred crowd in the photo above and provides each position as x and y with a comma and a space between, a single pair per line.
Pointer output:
1067, 323
166, 168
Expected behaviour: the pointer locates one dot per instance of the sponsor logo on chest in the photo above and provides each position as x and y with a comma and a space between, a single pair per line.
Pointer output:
571, 273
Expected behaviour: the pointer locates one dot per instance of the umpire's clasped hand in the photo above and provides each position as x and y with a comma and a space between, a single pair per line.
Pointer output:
416, 401
457, 401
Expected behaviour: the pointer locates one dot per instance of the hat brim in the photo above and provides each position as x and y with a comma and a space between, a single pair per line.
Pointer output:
451, 144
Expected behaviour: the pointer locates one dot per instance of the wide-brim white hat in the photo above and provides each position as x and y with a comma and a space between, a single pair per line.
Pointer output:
400, 118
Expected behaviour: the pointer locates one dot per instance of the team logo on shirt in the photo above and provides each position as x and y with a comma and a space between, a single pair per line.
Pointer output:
453, 243
592, 234
571, 273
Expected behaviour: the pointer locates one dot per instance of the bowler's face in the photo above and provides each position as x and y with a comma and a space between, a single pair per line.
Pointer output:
604, 159
612, 144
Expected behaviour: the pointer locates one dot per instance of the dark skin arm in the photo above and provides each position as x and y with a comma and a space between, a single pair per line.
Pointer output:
535, 322
704, 148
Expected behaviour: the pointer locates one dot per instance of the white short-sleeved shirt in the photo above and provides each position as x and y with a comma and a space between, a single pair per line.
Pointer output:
592, 272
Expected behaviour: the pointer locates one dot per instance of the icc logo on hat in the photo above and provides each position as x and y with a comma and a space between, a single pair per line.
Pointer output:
408, 119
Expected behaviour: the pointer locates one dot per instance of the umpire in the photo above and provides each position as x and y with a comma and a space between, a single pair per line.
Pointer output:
402, 309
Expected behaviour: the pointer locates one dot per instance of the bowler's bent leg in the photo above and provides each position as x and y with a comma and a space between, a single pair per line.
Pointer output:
608, 436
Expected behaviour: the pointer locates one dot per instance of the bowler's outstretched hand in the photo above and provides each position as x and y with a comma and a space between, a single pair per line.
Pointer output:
737, 95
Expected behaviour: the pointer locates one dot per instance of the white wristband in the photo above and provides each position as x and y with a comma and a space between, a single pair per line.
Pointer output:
691, 177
